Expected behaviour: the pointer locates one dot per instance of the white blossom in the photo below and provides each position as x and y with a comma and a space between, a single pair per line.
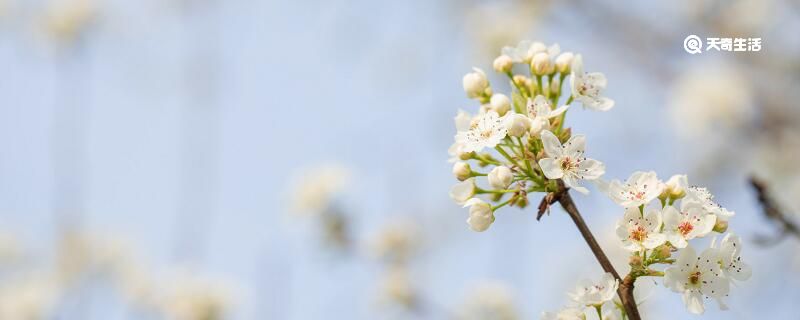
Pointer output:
502, 64
676, 186
486, 132
500, 177
589, 293
706, 199
691, 222
696, 277
475, 83
541, 64
517, 125
540, 111
730, 259
586, 87
463, 121
637, 232
567, 162
481, 215
525, 50
640, 188
564, 62
489, 301
463, 191
316, 188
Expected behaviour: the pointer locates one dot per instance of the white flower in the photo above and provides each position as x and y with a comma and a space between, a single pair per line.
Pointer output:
540, 112
475, 83
567, 162
696, 277
730, 260
640, 188
637, 232
517, 125
502, 64
481, 215
706, 199
676, 186
500, 177
489, 300
463, 121
461, 171
567, 313
691, 222
586, 87
315, 189
564, 62
486, 132
462, 191
589, 293
500, 103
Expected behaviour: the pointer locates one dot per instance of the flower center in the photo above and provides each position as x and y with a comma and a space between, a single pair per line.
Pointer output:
685, 228
486, 134
694, 278
638, 234
567, 164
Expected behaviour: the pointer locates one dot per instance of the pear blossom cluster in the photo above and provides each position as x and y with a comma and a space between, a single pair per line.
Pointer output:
659, 233
517, 144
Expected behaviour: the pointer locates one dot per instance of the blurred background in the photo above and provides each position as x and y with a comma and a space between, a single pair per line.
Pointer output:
208, 159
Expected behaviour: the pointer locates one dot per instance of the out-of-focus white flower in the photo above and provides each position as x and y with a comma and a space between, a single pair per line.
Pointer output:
567, 313
475, 84
500, 103
637, 232
487, 132
489, 300
315, 189
675, 187
191, 298
586, 87
461, 171
590, 293
525, 50
640, 188
696, 277
706, 199
502, 64
65, 20
481, 215
730, 260
691, 222
463, 191
396, 287
31, 297
567, 162
710, 99
395, 242
564, 62
463, 121
500, 177
540, 112
517, 125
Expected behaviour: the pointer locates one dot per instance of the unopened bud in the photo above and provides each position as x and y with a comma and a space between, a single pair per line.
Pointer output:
518, 125
541, 64
500, 104
461, 171
564, 62
635, 261
500, 177
721, 226
475, 84
502, 64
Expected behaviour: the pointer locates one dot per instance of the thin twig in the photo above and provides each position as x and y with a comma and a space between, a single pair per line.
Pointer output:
626, 286
771, 210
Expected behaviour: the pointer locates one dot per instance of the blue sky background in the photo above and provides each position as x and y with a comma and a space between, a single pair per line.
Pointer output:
193, 124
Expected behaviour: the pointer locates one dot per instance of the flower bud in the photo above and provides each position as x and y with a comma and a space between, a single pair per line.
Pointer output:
466, 155
520, 80
475, 83
517, 125
663, 251
503, 64
500, 104
721, 226
555, 87
500, 177
675, 187
564, 62
541, 64
481, 215
635, 261
535, 48
521, 202
463, 191
462, 171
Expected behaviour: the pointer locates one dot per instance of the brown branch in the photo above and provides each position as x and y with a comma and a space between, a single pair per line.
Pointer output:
626, 286
771, 209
